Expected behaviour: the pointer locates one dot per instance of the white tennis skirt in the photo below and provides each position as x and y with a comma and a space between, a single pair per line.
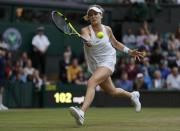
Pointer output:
109, 65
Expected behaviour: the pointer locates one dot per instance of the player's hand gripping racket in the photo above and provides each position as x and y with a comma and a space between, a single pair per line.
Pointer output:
64, 25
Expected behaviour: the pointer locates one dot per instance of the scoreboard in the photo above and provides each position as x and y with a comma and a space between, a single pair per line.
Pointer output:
58, 95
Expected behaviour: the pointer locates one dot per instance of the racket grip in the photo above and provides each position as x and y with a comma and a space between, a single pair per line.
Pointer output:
84, 39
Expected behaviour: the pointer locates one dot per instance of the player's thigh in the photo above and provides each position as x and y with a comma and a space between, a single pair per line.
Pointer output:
100, 74
108, 85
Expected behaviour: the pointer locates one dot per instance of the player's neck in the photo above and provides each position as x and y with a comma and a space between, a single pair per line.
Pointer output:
97, 27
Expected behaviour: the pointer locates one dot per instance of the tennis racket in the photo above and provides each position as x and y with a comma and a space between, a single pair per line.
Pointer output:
63, 24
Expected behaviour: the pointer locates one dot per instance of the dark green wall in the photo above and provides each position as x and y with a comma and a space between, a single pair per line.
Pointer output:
24, 95
18, 94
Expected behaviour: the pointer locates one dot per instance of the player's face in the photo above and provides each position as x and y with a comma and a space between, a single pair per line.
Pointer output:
94, 17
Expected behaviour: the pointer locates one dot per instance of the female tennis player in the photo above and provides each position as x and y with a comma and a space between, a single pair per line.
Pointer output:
101, 59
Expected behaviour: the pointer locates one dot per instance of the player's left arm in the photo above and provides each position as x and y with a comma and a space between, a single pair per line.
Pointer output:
118, 45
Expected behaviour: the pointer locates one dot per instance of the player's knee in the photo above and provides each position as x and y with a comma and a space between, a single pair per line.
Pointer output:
91, 83
93, 80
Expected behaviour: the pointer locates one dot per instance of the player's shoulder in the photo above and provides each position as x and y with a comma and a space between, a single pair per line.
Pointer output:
108, 29
85, 28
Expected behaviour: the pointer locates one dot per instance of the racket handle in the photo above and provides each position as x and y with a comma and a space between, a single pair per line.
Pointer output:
84, 39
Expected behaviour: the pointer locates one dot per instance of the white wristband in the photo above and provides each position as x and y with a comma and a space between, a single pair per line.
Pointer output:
126, 50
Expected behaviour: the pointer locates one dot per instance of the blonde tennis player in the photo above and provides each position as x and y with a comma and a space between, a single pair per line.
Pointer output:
101, 59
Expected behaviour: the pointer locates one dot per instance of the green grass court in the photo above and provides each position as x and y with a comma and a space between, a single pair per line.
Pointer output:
97, 119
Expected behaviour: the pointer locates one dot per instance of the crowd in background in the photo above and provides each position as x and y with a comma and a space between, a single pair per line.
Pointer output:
160, 67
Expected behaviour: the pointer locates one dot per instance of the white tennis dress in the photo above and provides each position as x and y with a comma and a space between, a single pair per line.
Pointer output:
101, 53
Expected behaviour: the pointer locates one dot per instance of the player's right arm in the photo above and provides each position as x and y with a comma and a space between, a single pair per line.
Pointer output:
86, 34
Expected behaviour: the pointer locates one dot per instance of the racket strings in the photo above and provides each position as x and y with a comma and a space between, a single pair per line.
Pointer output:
62, 23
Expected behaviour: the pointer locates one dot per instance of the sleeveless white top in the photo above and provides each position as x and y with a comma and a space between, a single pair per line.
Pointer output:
101, 53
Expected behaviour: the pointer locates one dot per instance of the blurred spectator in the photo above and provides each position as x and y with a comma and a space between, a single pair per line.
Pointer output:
139, 83
80, 80
68, 52
132, 69
129, 39
23, 59
159, 43
124, 83
177, 33
3, 49
152, 36
148, 80
73, 70
173, 79
9, 56
178, 59
120, 66
158, 81
156, 56
141, 38
8, 70
3, 46
37, 80
146, 67
20, 76
175, 61
145, 26
63, 65
16, 69
173, 44
38, 94
40, 44
164, 69
29, 70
